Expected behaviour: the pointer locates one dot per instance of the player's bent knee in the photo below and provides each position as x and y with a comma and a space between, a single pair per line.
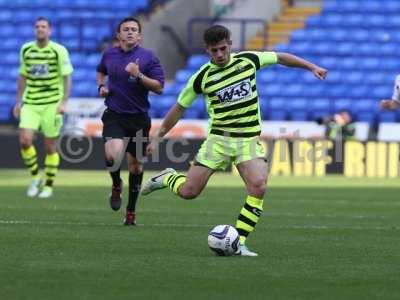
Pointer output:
51, 148
189, 192
257, 188
25, 142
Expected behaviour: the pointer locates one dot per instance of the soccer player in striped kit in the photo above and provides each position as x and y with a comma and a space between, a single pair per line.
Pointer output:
228, 84
43, 88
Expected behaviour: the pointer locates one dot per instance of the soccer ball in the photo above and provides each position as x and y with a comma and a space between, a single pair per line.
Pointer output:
223, 240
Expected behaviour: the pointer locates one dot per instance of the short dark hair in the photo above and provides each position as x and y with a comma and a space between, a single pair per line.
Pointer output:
129, 19
215, 34
43, 19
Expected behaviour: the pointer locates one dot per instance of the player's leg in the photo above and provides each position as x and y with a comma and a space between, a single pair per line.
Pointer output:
51, 164
191, 185
138, 129
135, 181
186, 186
29, 123
114, 149
209, 159
254, 173
50, 124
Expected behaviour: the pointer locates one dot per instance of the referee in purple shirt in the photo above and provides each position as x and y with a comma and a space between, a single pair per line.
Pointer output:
125, 75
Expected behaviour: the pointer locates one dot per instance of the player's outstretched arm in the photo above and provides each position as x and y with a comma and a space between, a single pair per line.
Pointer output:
291, 60
389, 104
172, 117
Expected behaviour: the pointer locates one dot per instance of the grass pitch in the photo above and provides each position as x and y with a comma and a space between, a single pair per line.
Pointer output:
319, 238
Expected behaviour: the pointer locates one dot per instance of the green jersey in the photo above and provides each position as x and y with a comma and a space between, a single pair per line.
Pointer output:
44, 70
230, 93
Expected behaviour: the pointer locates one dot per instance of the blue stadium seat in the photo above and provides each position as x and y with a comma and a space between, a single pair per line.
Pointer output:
314, 115
365, 117
299, 35
11, 58
371, 63
342, 104
182, 76
92, 60
293, 90
264, 108
196, 61
5, 113
192, 113
357, 91
375, 78
281, 48
320, 104
276, 104
277, 115
69, 30
266, 76
270, 90
314, 22
365, 105
381, 91
298, 115
297, 104
387, 116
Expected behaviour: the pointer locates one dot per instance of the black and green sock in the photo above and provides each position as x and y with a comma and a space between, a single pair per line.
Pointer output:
248, 217
30, 160
174, 181
51, 163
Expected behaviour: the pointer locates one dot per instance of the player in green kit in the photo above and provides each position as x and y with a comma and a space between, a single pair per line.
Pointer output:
43, 88
228, 83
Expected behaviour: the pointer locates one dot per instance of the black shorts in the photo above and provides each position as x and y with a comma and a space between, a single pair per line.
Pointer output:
132, 128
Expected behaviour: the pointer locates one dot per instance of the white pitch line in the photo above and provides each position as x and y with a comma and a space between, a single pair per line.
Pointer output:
303, 227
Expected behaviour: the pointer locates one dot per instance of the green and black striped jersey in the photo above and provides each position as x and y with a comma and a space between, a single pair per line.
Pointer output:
44, 70
230, 93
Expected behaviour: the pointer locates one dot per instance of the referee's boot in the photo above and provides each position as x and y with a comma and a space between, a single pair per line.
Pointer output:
130, 218
115, 196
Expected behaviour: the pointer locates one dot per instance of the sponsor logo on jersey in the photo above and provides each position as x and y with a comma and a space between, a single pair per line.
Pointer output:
39, 70
235, 92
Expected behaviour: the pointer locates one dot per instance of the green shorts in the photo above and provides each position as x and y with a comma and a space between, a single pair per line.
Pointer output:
218, 152
42, 118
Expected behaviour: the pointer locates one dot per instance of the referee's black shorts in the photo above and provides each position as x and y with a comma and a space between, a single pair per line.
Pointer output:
132, 128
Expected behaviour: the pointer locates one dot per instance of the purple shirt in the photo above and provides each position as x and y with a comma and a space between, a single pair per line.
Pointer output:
126, 95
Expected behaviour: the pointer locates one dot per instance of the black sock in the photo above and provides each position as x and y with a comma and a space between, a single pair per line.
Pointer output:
135, 181
115, 175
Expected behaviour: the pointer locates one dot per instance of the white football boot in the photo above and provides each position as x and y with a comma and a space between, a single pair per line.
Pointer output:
34, 187
244, 251
156, 182
46, 192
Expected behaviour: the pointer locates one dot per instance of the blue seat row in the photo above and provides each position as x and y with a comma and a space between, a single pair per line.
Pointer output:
366, 6
347, 35
354, 21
